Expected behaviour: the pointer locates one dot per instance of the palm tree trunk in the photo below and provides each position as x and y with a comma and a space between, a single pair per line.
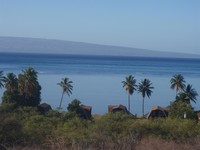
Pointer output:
61, 100
143, 106
128, 102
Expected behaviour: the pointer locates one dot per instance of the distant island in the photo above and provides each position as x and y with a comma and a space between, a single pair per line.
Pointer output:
51, 46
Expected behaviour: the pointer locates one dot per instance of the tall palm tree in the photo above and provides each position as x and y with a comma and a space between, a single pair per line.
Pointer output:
1, 79
67, 87
11, 94
177, 83
130, 86
29, 88
145, 88
28, 82
191, 93
11, 82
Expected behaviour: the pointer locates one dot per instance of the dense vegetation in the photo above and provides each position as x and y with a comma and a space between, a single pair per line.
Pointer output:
22, 125
26, 127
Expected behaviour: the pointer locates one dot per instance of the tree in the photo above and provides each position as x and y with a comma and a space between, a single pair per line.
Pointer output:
29, 87
178, 83
11, 85
1, 79
180, 109
130, 86
145, 89
189, 94
74, 107
67, 87
11, 82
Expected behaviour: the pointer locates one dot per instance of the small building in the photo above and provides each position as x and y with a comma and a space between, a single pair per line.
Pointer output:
198, 115
87, 111
117, 108
44, 108
158, 111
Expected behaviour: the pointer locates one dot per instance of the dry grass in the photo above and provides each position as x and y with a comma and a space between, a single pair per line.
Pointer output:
144, 144
158, 144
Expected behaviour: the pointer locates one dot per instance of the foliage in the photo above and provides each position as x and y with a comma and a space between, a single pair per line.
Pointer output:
24, 90
37, 128
10, 95
74, 106
7, 107
25, 112
130, 86
26, 127
179, 108
11, 83
75, 109
177, 83
67, 87
1, 79
145, 89
189, 94
29, 88
10, 130
10, 98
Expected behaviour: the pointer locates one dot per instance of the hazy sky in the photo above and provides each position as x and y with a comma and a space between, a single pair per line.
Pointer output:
165, 25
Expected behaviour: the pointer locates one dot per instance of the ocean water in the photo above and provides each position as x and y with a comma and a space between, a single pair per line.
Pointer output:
97, 79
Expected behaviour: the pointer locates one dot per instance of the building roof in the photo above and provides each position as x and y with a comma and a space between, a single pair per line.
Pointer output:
159, 108
163, 110
44, 105
88, 108
112, 107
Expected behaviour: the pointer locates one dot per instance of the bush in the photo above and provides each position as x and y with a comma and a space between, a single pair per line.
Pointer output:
55, 130
10, 130
38, 127
7, 107
169, 129
179, 108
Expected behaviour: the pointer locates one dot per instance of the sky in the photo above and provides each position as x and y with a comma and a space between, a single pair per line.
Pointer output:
163, 25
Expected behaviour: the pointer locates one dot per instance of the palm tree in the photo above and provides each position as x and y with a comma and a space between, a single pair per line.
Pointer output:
130, 86
11, 94
178, 83
28, 82
29, 87
190, 93
66, 86
145, 89
11, 82
1, 79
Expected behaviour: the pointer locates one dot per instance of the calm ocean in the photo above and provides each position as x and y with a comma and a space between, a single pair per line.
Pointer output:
97, 79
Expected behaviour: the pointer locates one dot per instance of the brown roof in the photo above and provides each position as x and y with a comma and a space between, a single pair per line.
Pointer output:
112, 107
157, 108
89, 108
45, 105
198, 115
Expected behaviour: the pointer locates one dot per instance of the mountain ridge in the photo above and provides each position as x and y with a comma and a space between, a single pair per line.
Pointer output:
54, 46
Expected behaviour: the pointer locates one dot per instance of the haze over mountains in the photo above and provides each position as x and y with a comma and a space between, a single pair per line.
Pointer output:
50, 46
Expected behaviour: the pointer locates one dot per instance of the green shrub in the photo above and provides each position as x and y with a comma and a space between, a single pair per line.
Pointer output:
38, 127
10, 130
7, 107
179, 108
170, 129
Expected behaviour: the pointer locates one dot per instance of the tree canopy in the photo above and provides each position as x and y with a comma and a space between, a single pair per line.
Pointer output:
24, 90
177, 83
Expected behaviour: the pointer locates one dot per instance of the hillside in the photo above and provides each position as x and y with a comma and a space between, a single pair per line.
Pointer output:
37, 45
